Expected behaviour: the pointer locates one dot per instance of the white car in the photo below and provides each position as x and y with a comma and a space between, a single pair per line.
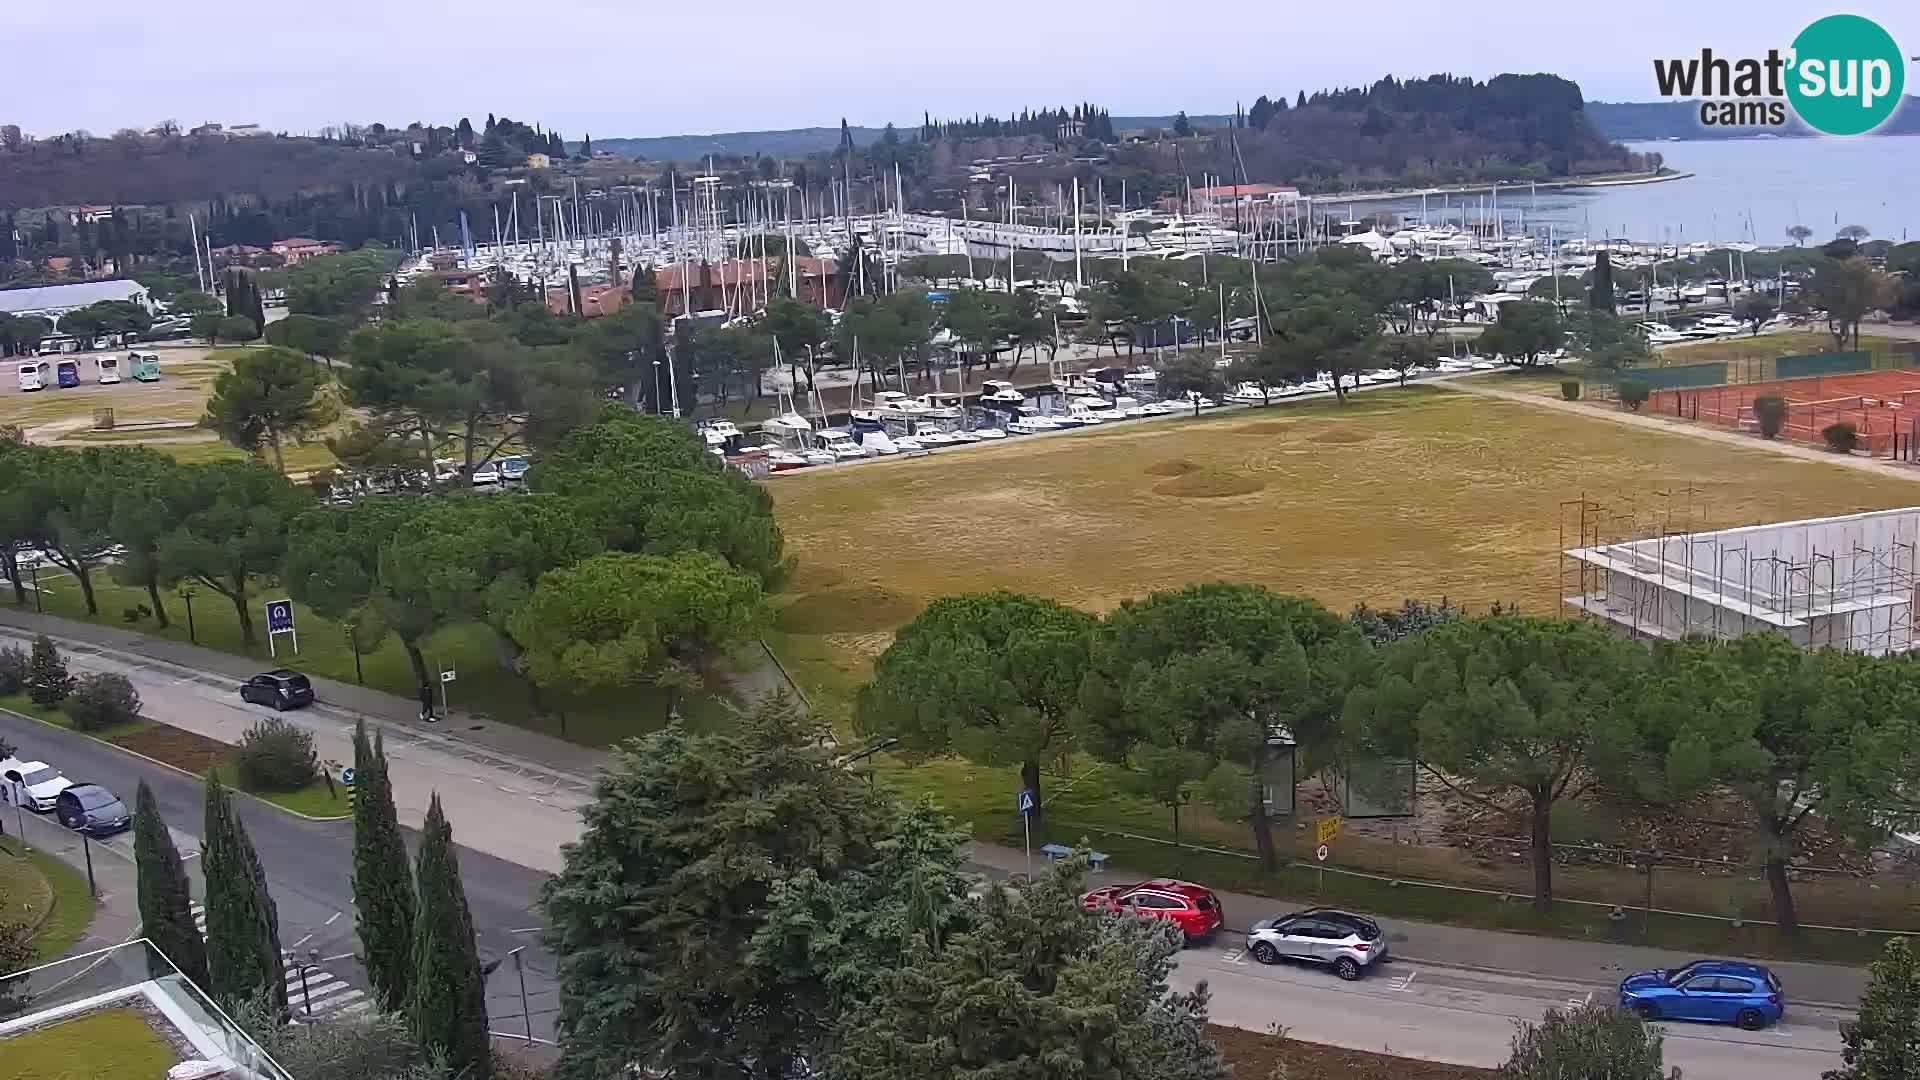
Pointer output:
32, 784
486, 474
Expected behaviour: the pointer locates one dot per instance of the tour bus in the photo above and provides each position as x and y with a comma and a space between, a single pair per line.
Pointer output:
107, 369
68, 372
30, 376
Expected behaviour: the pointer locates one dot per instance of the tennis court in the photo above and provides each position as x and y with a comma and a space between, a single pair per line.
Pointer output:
1882, 406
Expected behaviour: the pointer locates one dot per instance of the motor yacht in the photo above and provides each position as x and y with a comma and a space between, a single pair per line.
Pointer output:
878, 443
999, 392
779, 460
840, 444
1034, 424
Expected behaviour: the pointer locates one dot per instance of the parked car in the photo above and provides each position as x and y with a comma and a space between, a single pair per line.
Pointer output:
1193, 908
32, 784
282, 688
486, 474
92, 809
1716, 991
1341, 940
514, 469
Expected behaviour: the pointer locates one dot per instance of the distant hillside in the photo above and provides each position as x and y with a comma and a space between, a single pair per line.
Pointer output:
799, 142
792, 143
1681, 120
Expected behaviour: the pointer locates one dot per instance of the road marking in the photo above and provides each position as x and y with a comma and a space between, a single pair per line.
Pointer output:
527, 930
1235, 956
331, 918
1406, 984
1576, 1003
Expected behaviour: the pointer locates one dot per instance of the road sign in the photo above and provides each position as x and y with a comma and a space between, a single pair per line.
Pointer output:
346, 774
1321, 853
280, 621
1326, 830
446, 676
1026, 801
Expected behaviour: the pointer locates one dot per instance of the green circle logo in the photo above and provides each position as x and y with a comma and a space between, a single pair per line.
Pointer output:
1846, 76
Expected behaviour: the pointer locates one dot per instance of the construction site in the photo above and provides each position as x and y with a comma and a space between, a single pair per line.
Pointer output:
1648, 570
1882, 406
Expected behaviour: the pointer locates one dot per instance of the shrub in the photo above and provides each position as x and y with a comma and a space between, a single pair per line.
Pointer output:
1591, 1040
1770, 413
1841, 437
103, 700
1570, 389
48, 683
276, 756
1633, 393
13, 670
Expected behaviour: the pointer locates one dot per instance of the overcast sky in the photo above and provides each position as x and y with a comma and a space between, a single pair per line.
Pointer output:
634, 68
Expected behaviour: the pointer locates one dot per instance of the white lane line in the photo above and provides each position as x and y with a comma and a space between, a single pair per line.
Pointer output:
330, 918
1405, 985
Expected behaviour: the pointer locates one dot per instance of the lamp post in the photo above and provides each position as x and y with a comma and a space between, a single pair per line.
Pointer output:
352, 628
656, 393
37, 606
526, 1014
186, 593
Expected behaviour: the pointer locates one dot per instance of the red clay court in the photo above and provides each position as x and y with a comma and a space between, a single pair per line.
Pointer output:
1882, 406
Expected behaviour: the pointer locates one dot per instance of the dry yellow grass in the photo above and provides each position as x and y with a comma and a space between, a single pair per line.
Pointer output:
1423, 493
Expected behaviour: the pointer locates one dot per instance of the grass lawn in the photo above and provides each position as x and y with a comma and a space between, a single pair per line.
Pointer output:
1418, 492
21, 703
107, 1043
312, 800
471, 650
43, 885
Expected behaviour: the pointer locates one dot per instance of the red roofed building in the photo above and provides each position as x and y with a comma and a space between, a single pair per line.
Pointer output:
714, 286
299, 249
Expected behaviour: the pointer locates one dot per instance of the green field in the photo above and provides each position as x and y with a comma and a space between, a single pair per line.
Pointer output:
1405, 493
37, 888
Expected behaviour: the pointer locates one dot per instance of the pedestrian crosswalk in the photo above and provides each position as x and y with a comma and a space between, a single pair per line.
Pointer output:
317, 991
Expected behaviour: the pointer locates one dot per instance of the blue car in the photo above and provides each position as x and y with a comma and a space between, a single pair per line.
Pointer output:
1715, 991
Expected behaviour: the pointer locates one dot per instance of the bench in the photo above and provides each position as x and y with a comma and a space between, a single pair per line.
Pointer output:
1097, 860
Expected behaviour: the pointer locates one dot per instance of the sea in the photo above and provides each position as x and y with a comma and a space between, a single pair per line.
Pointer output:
1748, 190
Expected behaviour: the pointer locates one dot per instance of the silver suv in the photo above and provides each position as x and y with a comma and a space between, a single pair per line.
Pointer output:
1346, 942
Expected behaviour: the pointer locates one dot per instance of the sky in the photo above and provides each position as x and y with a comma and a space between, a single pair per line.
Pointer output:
626, 68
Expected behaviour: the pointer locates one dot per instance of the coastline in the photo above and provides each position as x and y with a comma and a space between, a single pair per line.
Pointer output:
1567, 183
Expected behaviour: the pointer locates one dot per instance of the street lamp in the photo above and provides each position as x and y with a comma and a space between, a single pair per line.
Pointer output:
353, 645
656, 392
186, 593
37, 606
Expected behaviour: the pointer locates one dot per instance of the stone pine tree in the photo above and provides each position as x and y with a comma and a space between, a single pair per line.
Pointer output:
243, 927
382, 881
449, 993
166, 899
1884, 1042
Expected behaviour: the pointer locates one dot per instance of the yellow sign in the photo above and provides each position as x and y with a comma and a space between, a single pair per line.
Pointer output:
1325, 830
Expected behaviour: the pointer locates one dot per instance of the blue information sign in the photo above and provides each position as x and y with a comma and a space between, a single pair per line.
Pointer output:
279, 615
1026, 801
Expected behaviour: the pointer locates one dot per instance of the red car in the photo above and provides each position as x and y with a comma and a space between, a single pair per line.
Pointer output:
1193, 908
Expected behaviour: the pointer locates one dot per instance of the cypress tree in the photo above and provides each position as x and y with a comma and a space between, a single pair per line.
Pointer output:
1601, 298
166, 899
243, 927
449, 1007
382, 881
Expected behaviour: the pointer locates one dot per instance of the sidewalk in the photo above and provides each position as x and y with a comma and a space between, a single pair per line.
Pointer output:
1591, 962
389, 710
116, 910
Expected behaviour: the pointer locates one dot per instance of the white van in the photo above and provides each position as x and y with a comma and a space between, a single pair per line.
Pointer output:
32, 784
106, 369
30, 377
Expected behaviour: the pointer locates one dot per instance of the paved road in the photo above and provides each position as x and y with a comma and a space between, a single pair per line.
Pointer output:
1467, 1017
309, 865
1449, 1008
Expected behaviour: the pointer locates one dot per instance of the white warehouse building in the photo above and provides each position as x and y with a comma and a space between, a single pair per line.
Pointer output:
53, 301
1848, 582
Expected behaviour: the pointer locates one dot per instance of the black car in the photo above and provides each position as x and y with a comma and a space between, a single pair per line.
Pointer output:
91, 809
282, 688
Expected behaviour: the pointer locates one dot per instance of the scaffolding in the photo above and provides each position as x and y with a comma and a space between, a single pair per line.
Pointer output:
1649, 570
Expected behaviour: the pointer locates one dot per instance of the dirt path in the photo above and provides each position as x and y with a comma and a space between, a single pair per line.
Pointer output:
1698, 431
